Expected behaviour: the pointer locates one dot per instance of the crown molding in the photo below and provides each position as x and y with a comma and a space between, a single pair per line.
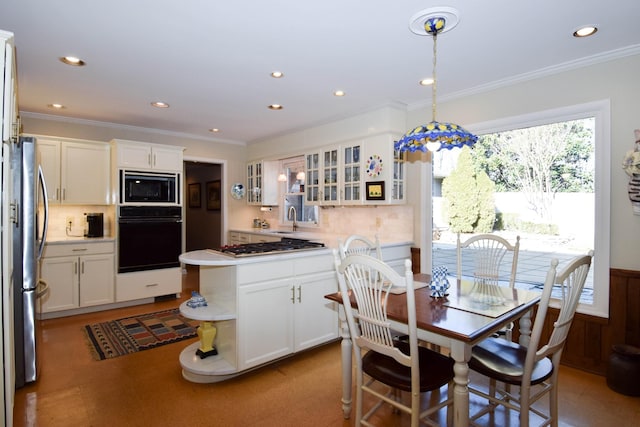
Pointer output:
110, 125
536, 74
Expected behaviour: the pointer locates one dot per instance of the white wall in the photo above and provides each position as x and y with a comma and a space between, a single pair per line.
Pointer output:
617, 81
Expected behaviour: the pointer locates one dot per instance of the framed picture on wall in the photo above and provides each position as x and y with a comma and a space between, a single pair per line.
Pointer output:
375, 190
195, 195
213, 195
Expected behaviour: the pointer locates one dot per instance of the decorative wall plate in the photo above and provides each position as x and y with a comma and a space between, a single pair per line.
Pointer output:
237, 191
374, 165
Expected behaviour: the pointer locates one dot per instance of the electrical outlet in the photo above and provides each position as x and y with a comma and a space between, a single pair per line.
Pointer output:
69, 222
378, 222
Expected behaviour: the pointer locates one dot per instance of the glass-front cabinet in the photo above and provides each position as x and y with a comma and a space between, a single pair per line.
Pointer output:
312, 173
366, 171
351, 180
262, 183
329, 193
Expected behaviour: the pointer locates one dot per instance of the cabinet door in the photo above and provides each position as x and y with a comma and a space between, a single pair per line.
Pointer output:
265, 322
49, 158
61, 274
254, 183
316, 318
351, 187
134, 156
312, 171
85, 173
329, 189
169, 159
97, 279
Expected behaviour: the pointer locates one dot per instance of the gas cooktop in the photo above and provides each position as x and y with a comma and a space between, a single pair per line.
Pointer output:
269, 248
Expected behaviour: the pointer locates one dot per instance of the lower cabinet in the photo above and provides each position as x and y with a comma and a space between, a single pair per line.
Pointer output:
287, 313
78, 275
148, 284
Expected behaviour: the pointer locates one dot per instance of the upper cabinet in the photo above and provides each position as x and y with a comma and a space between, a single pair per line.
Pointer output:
76, 172
145, 156
262, 183
366, 171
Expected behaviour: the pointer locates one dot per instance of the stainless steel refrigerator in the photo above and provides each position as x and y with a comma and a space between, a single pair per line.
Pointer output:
29, 221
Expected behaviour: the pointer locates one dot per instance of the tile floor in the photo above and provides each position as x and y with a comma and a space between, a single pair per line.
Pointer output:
147, 389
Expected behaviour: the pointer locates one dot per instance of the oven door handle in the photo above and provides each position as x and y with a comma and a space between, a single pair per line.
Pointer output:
147, 220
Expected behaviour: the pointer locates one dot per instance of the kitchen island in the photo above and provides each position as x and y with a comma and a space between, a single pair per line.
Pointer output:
264, 307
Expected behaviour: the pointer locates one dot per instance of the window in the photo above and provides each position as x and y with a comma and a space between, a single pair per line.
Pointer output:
294, 200
565, 202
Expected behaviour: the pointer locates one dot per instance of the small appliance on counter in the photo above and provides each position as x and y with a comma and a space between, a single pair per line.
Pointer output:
95, 224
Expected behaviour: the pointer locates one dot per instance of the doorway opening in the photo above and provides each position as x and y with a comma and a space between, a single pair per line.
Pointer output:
203, 205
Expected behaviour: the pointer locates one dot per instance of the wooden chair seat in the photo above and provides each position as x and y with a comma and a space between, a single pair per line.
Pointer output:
504, 361
436, 369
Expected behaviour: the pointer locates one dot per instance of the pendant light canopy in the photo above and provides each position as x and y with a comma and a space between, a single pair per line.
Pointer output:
434, 136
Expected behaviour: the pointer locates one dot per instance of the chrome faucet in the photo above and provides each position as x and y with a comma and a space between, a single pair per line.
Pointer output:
295, 215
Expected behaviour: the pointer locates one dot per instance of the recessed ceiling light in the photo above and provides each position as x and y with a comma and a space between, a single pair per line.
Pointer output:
73, 60
160, 104
56, 106
339, 93
586, 31
214, 130
275, 107
277, 74
426, 82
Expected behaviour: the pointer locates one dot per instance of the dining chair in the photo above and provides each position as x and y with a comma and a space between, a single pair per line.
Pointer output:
398, 365
357, 244
534, 368
488, 252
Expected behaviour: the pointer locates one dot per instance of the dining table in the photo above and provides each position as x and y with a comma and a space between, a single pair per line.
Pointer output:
466, 314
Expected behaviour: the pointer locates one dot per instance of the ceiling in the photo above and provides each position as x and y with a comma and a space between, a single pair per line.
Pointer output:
211, 60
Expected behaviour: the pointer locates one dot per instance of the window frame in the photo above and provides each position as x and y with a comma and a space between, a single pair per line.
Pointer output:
601, 112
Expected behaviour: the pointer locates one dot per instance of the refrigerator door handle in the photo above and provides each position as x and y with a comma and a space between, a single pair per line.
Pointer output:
45, 226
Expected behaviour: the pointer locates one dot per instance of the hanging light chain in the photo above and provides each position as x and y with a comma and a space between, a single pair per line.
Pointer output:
433, 76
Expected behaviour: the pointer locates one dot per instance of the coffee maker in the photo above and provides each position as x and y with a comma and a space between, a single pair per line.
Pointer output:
95, 224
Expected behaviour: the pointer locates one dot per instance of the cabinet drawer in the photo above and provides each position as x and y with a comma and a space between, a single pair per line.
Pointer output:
262, 271
314, 264
55, 250
148, 284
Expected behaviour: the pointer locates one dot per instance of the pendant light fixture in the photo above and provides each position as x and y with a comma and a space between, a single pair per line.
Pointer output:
435, 135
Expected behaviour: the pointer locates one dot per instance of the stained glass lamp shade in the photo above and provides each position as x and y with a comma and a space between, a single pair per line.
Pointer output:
435, 136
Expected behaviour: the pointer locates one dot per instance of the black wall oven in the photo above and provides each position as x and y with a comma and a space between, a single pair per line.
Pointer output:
149, 237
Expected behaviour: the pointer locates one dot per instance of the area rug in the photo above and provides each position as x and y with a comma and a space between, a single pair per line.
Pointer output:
137, 333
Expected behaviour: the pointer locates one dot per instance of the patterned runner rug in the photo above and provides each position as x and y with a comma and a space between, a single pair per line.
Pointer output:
143, 332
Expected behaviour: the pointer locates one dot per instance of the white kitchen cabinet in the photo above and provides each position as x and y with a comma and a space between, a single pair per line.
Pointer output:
322, 177
76, 172
339, 175
266, 318
78, 275
240, 238
145, 156
286, 312
140, 285
381, 163
262, 183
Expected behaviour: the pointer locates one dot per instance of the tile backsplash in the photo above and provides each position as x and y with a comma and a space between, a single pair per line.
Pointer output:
58, 215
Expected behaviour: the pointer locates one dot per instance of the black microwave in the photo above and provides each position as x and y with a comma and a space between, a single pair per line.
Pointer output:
149, 187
